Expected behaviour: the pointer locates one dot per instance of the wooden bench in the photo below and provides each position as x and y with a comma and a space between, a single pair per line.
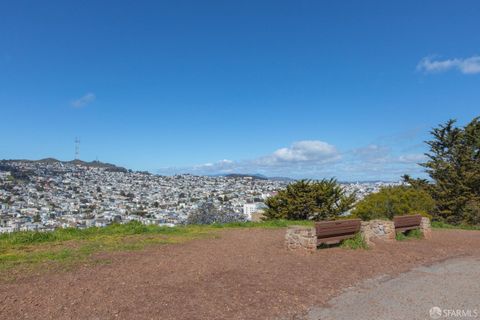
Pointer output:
405, 223
330, 232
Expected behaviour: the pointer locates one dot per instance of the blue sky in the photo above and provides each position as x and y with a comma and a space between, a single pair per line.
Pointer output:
292, 88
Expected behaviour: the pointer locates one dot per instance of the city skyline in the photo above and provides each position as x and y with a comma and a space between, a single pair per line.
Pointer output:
302, 90
46, 195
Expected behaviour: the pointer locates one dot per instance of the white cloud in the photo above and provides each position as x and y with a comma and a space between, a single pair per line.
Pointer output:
303, 151
466, 66
219, 165
84, 101
318, 159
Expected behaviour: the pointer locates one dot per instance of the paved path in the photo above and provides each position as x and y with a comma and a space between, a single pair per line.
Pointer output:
450, 286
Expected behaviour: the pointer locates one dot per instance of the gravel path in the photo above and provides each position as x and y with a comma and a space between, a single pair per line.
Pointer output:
243, 274
449, 289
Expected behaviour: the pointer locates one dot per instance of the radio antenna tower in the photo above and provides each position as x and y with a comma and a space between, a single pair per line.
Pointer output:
77, 148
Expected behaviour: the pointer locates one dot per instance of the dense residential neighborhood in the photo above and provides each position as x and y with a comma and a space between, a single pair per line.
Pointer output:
44, 195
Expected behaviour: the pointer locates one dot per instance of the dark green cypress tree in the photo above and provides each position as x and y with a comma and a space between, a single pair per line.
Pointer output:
312, 200
454, 167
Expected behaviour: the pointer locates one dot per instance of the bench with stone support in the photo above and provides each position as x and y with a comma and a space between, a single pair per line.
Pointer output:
331, 232
406, 223
325, 232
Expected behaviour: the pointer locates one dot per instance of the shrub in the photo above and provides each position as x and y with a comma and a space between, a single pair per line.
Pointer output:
355, 243
309, 200
392, 201
443, 225
471, 214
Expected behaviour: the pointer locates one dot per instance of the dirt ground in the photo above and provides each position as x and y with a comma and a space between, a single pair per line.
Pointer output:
244, 274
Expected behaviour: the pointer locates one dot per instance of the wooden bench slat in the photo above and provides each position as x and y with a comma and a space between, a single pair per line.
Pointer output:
338, 222
330, 232
407, 217
357, 226
415, 220
339, 225
405, 223
326, 231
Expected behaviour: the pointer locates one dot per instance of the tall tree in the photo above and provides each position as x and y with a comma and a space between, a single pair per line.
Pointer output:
454, 167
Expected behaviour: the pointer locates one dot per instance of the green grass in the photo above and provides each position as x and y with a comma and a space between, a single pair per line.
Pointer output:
61, 235
264, 224
411, 234
443, 225
354, 243
69, 246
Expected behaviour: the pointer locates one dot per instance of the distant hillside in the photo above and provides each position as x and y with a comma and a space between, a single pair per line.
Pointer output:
47, 160
98, 164
240, 175
91, 164
281, 179
257, 176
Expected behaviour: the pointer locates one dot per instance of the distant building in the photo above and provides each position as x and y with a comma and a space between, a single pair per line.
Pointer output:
250, 208
4, 174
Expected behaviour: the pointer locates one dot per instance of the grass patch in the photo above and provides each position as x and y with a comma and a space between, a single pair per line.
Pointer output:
67, 246
443, 225
354, 243
264, 224
410, 234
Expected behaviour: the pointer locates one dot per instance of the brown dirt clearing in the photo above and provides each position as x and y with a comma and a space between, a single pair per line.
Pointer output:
244, 274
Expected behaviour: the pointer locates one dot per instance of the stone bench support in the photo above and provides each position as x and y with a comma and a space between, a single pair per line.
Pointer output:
426, 228
301, 237
377, 230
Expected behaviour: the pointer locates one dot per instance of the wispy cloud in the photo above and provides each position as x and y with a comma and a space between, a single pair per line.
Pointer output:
83, 101
412, 158
372, 153
317, 159
469, 65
